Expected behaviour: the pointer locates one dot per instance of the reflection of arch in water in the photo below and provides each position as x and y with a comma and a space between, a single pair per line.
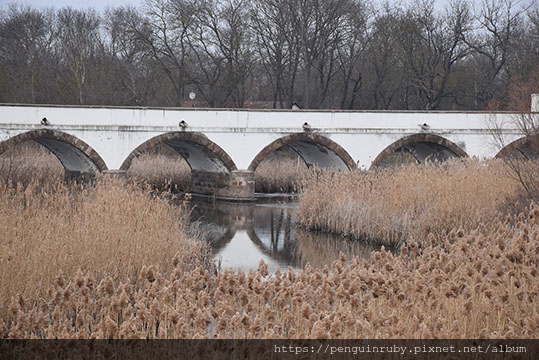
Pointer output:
315, 150
214, 235
77, 157
273, 233
221, 220
287, 255
524, 148
422, 147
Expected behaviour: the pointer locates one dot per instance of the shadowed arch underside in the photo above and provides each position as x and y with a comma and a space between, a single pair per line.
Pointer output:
422, 147
315, 150
76, 156
211, 167
526, 148
199, 152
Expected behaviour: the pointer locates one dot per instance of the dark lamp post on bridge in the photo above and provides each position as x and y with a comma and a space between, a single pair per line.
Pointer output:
192, 96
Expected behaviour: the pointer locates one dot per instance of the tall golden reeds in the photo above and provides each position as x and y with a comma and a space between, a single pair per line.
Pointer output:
395, 204
162, 168
481, 284
280, 174
98, 262
111, 230
30, 162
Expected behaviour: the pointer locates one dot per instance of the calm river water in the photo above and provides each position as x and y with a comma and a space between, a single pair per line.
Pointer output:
242, 234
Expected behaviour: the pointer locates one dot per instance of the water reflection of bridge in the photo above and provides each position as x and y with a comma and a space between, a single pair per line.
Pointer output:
246, 233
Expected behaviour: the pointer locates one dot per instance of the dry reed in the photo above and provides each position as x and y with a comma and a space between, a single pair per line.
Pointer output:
478, 285
114, 245
110, 230
396, 204
163, 168
30, 162
280, 175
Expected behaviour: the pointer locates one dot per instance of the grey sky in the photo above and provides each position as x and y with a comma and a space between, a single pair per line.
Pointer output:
102, 4
78, 4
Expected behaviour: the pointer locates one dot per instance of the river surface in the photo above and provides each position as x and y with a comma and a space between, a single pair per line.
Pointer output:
242, 234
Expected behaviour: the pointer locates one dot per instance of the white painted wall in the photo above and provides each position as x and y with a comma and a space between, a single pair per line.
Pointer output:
114, 132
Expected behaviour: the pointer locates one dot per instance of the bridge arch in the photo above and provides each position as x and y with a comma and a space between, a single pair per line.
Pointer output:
199, 152
422, 147
76, 156
312, 148
526, 147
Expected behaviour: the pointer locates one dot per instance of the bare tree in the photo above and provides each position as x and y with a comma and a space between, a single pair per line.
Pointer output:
26, 48
354, 38
222, 45
523, 160
136, 73
432, 44
79, 38
164, 32
386, 71
278, 47
496, 33
318, 24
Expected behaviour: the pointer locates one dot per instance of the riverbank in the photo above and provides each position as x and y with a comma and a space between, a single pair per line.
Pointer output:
395, 205
114, 260
476, 286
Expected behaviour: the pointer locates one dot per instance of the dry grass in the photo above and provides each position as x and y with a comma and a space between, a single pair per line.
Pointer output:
110, 231
30, 162
393, 205
113, 245
478, 285
163, 168
280, 175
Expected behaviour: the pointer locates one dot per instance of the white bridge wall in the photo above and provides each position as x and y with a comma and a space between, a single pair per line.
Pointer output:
115, 132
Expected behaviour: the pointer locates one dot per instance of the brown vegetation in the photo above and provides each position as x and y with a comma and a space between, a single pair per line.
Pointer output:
163, 168
110, 231
396, 204
475, 286
280, 175
30, 162
114, 261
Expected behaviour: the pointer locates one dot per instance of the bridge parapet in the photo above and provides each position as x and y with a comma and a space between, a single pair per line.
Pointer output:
224, 146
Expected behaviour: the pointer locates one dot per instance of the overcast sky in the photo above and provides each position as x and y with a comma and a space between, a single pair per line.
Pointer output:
78, 4
102, 4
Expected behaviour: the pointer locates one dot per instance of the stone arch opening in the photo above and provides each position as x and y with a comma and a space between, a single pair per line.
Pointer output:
315, 150
210, 165
77, 157
420, 148
526, 147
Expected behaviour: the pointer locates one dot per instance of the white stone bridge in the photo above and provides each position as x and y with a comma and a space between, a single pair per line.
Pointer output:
224, 146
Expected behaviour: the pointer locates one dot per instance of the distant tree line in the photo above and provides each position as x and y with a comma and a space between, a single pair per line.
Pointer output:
338, 54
